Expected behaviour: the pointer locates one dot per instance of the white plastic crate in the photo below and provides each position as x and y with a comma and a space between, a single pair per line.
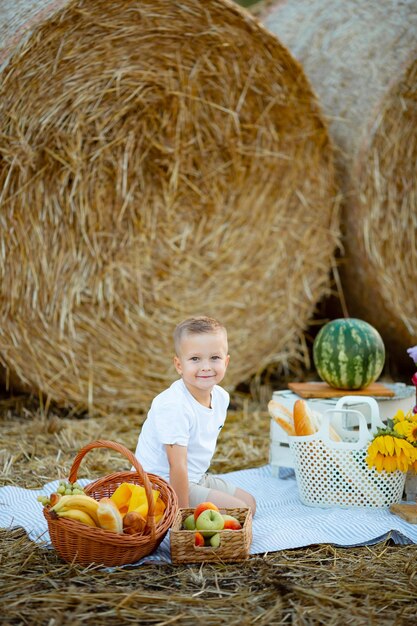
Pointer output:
335, 473
280, 455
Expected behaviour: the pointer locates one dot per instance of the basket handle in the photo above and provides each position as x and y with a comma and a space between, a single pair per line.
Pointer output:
118, 447
324, 432
376, 421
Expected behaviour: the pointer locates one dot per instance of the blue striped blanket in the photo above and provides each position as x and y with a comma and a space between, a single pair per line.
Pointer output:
281, 521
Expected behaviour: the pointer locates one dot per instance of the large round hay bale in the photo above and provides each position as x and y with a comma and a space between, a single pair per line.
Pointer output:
158, 159
17, 18
361, 59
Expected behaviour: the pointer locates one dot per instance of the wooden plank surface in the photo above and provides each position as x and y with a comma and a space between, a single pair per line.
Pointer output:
323, 390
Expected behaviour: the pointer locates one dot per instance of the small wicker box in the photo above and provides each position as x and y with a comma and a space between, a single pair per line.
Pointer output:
234, 544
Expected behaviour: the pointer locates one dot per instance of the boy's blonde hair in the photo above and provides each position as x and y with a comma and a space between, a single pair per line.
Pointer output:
196, 325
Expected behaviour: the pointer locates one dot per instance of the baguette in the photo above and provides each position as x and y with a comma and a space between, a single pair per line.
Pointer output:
305, 422
303, 418
282, 416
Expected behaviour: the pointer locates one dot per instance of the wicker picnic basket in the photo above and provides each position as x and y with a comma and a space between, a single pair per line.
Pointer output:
78, 543
234, 544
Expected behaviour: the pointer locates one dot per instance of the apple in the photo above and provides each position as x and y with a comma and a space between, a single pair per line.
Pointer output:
202, 507
209, 520
232, 524
207, 533
198, 540
215, 540
189, 522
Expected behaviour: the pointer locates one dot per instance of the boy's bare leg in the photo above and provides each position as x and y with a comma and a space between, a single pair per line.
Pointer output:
241, 499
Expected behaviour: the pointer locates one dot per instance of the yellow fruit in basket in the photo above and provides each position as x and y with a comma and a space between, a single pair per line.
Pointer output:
143, 509
77, 502
160, 507
129, 498
121, 497
77, 516
139, 498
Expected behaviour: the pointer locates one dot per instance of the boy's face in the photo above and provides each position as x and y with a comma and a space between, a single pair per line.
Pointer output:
202, 361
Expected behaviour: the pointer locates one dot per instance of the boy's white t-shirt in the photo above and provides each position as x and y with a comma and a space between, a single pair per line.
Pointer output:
175, 417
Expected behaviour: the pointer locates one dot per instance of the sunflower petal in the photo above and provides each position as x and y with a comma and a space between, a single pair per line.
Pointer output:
380, 444
389, 444
403, 462
372, 450
379, 462
398, 446
387, 463
401, 428
399, 416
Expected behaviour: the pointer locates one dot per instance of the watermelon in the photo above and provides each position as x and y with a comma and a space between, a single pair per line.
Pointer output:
348, 353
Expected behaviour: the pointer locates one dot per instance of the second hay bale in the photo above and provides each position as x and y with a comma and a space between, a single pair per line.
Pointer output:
157, 160
361, 59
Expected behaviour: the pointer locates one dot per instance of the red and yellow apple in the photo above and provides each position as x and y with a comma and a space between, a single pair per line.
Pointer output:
198, 540
231, 523
203, 506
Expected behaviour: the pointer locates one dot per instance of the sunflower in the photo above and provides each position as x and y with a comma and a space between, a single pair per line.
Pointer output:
401, 417
391, 453
408, 430
406, 427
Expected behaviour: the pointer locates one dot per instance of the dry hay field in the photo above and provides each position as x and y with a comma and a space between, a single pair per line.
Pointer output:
319, 584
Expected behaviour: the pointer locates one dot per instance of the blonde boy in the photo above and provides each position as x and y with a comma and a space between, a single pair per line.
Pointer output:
179, 435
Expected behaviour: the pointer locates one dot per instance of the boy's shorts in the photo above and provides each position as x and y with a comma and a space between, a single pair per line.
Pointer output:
198, 492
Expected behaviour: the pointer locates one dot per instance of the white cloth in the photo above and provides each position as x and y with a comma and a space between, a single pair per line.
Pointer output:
175, 417
281, 521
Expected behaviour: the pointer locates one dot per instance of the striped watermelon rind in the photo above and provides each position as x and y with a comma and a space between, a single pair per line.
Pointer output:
348, 353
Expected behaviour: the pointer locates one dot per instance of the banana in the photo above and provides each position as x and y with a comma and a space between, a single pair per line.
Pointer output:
75, 501
78, 516
87, 510
80, 502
